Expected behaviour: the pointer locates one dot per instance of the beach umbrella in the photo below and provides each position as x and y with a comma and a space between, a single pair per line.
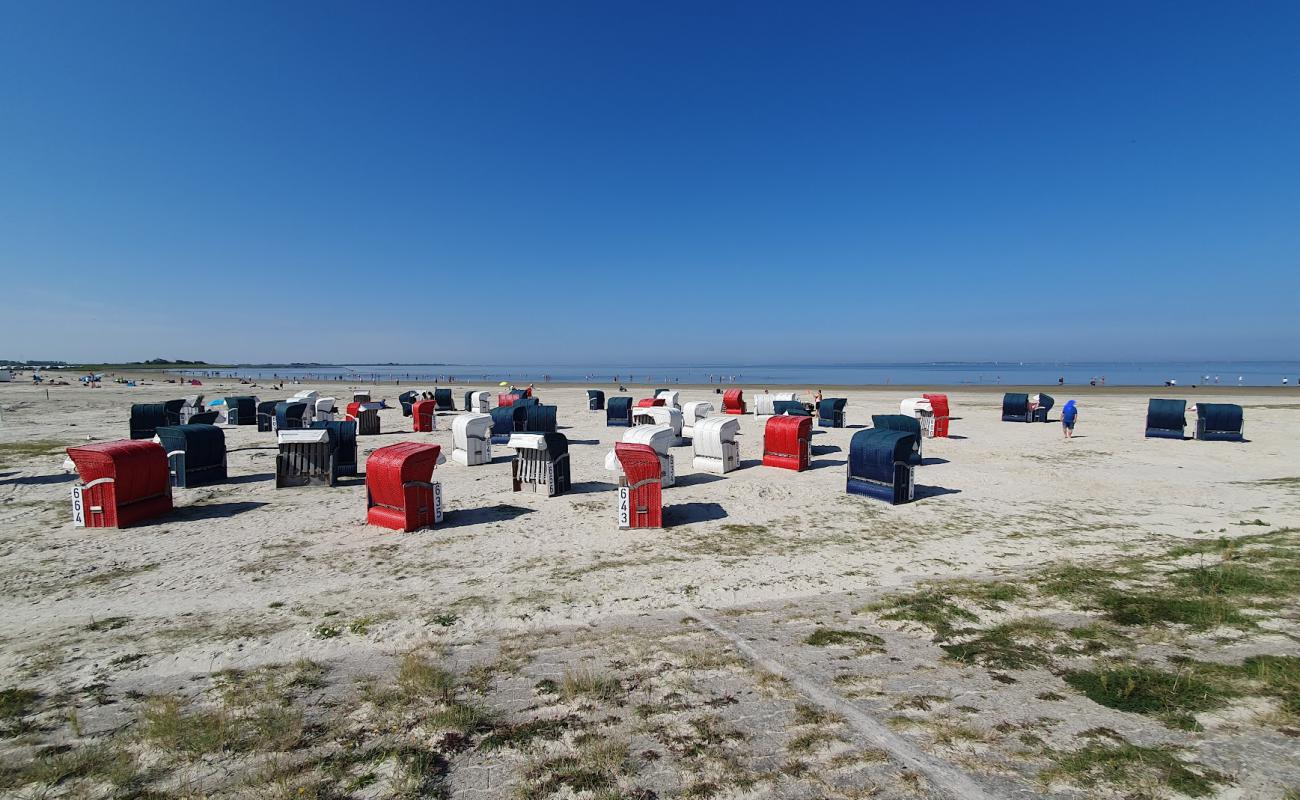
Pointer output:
503, 383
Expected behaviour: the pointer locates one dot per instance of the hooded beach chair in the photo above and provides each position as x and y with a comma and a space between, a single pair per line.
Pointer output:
942, 414
919, 408
1041, 404
1015, 407
424, 416
1166, 419
659, 438
692, 413
290, 415
903, 423
400, 491
830, 412
361, 396
366, 416
787, 442
507, 399
471, 439
343, 441
266, 416
305, 458
541, 463
477, 402
407, 401
505, 421
791, 408
671, 398
1220, 422
715, 446
196, 454
880, 465
733, 401
618, 412
122, 483
539, 419
193, 405
147, 418
443, 399
241, 410
640, 486
661, 415
322, 409
595, 400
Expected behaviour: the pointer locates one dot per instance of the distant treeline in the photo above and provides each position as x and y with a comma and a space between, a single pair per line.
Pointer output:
18, 362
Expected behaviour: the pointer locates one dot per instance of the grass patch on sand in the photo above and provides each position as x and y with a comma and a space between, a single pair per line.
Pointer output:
591, 685
595, 765
941, 606
1117, 763
1174, 697
832, 637
1012, 645
13, 453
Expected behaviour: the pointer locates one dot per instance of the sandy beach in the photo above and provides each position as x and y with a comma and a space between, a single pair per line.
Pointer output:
690, 651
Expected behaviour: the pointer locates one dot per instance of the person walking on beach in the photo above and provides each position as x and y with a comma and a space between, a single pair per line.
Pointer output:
1069, 415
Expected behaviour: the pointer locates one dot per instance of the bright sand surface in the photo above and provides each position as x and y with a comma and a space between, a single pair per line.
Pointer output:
258, 575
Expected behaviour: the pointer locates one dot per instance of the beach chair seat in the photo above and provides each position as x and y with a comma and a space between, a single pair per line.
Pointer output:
478, 402
400, 491
122, 483
205, 418
443, 401
692, 413
505, 421
541, 463
830, 412
366, 416
733, 401
1220, 422
880, 465
715, 446
787, 442
1166, 419
196, 454
323, 409
618, 412
640, 488
904, 424
595, 400
305, 458
792, 408
424, 416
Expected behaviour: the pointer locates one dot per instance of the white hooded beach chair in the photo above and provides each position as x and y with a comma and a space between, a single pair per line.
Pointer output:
541, 463
470, 439
480, 402
658, 437
692, 413
763, 403
193, 405
323, 409
716, 449
919, 408
670, 397
660, 415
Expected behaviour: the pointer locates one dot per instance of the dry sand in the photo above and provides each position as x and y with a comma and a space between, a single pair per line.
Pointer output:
243, 575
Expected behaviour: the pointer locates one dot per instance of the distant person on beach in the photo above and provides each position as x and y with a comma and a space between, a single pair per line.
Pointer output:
1069, 415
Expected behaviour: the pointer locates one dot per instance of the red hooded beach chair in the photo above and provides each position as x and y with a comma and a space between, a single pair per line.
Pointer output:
786, 442
122, 483
640, 493
400, 491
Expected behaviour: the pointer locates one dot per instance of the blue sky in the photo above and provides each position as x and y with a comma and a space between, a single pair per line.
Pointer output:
690, 182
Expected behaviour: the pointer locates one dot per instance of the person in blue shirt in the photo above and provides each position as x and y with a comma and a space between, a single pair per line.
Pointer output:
1069, 415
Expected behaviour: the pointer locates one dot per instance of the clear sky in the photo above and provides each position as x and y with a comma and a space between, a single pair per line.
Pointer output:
614, 181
